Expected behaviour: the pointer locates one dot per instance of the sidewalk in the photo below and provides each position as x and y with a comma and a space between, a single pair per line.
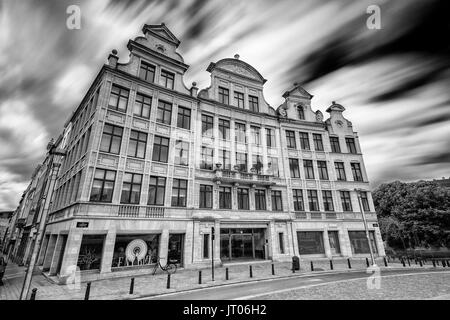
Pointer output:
147, 285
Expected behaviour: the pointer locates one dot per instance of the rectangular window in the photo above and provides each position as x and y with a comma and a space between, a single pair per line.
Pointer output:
365, 201
103, 185
205, 246
224, 197
160, 149
340, 171
327, 200
281, 242
207, 125
241, 161
257, 163
346, 201
205, 196
298, 200
138, 144
179, 193
260, 199
253, 103
156, 191
359, 243
304, 141
309, 169
224, 159
273, 166
111, 139
147, 72
351, 147
318, 144
277, 203
118, 99
184, 118
167, 79
335, 146
356, 171
142, 106
294, 168
290, 139
270, 138
301, 113
131, 189
323, 171
224, 95
313, 201
164, 114
239, 99
243, 203
240, 132
255, 135
310, 242
181, 153
207, 158
224, 129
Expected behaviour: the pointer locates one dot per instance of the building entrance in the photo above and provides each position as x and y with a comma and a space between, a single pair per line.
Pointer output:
242, 244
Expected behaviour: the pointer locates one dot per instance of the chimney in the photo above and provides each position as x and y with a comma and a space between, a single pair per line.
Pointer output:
194, 89
113, 58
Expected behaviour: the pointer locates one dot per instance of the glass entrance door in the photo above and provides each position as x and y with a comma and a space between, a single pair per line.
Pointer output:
242, 246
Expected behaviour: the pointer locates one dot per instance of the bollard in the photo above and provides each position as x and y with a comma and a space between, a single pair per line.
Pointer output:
403, 263
33, 294
312, 266
132, 286
349, 264
420, 263
409, 262
200, 277
434, 263
448, 263
168, 281
415, 261
273, 269
88, 291
367, 262
331, 264
443, 263
385, 262
226, 274
251, 272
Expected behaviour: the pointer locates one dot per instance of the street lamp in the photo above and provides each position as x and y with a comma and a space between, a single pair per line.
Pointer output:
358, 192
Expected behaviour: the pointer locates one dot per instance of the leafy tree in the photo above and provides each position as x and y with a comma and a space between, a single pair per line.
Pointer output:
413, 214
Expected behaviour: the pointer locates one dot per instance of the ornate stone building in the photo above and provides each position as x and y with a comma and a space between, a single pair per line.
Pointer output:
153, 165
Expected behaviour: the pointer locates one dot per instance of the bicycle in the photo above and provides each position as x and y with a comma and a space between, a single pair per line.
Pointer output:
169, 267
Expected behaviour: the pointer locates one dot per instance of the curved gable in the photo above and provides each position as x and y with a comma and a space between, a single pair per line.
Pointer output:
238, 67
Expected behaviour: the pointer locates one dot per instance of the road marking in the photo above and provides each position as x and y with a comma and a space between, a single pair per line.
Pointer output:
331, 282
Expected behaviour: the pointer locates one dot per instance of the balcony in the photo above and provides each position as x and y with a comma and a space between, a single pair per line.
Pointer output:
239, 177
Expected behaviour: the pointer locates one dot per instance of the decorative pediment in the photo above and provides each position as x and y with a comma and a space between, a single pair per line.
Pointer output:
237, 67
162, 32
298, 91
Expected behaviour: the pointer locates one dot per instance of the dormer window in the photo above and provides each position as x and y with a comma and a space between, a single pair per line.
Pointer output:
253, 103
301, 112
147, 72
224, 95
167, 79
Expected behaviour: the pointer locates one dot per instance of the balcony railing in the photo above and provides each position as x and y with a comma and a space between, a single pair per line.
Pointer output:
232, 176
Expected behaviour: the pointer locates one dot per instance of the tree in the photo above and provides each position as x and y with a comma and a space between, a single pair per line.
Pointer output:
413, 214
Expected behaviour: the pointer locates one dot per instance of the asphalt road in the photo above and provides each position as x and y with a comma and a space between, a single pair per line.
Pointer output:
257, 289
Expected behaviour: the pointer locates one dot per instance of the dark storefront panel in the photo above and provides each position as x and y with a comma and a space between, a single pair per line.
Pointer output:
359, 242
176, 248
131, 250
91, 251
310, 242
242, 244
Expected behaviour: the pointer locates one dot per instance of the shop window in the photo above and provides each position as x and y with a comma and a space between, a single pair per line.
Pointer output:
310, 242
91, 250
135, 250
358, 241
175, 252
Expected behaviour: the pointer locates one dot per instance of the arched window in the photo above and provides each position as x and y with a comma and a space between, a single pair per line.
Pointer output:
301, 112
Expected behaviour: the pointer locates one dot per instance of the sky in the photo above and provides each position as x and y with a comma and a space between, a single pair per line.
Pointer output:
394, 82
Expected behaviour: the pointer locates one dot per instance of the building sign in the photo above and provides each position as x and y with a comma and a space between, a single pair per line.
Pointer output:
375, 225
82, 224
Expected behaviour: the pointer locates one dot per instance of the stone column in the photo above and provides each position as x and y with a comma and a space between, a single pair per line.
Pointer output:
108, 250
217, 242
164, 246
188, 244
59, 247
49, 253
70, 254
326, 243
43, 250
379, 243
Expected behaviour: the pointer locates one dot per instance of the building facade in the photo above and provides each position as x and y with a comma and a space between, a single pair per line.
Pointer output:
153, 166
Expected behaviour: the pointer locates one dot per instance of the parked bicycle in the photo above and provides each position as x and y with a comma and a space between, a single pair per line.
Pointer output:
169, 267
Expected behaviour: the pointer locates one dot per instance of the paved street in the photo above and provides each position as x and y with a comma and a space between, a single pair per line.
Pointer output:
239, 285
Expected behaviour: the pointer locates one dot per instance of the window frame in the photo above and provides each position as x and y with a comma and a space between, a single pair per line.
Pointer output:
119, 96
177, 192
145, 66
318, 142
224, 95
205, 194
160, 146
165, 78
138, 141
243, 198
111, 135
291, 142
103, 181
323, 170
294, 170
163, 110
184, 117
277, 199
297, 195
260, 200
253, 103
131, 184
158, 187
309, 169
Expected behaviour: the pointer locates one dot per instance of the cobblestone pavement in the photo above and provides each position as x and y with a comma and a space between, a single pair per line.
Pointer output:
145, 285
392, 287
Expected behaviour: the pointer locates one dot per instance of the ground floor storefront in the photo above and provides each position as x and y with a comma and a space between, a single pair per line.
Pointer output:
105, 247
